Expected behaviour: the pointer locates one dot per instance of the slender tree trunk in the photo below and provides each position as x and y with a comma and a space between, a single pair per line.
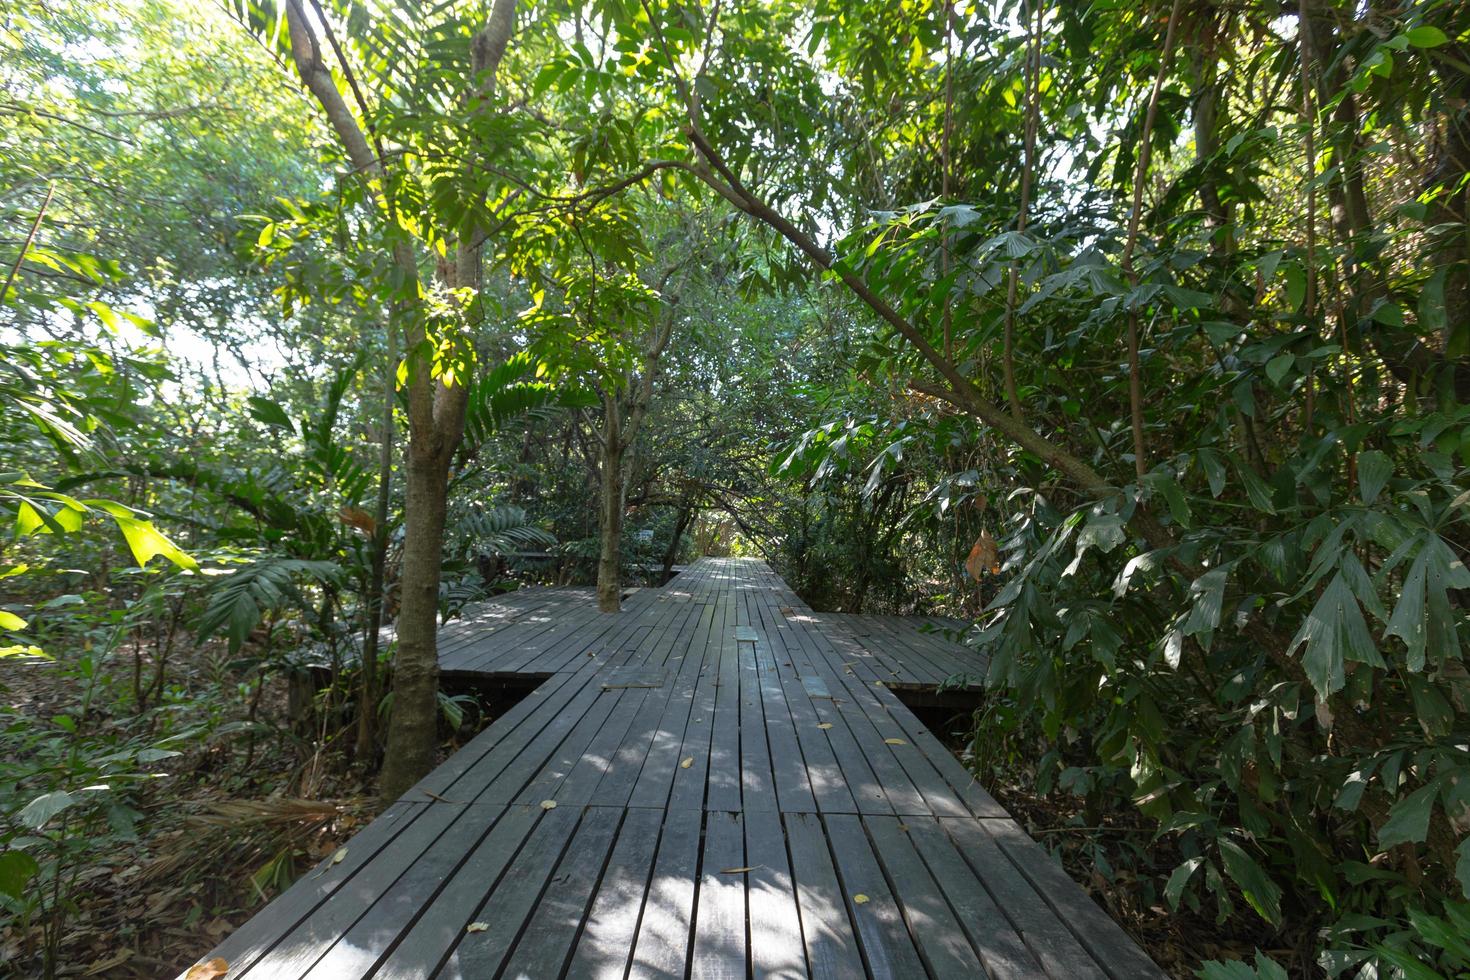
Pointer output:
368, 695
610, 525
686, 514
413, 724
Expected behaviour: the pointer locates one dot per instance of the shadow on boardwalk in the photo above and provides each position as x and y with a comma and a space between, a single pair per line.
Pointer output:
715, 782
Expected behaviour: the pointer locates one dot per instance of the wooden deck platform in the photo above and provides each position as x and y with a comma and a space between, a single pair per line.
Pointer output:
715, 782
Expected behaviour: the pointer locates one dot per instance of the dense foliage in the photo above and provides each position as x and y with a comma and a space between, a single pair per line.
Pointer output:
1136, 335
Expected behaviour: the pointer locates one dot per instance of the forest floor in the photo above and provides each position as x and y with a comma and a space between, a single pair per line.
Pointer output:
215, 832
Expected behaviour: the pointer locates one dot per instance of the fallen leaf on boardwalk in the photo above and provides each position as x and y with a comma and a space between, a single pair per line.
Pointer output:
860, 899
208, 970
687, 763
877, 683
339, 856
894, 741
735, 871
825, 725
477, 927
548, 804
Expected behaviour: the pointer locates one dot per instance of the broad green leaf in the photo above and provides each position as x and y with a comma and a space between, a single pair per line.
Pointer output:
1334, 632
1263, 894
10, 621
36, 813
1174, 889
1209, 599
146, 542
1426, 36
1408, 819
269, 412
1374, 469
16, 869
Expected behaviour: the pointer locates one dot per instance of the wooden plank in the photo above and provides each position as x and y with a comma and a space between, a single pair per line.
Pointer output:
546, 945
887, 946
509, 905
724, 776
302, 946
625, 677
611, 927
656, 778
832, 951
776, 949
418, 952
1049, 939
662, 946
358, 948
941, 940
1103, 937
829, 784
1000, 946
815, 687
789, 771
721, 947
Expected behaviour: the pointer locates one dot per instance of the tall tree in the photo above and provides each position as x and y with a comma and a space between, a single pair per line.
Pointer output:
437, 387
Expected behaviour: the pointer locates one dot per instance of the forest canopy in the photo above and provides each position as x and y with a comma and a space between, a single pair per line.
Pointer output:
1135, 336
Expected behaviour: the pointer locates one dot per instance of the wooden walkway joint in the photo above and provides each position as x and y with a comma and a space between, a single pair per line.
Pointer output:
715, 782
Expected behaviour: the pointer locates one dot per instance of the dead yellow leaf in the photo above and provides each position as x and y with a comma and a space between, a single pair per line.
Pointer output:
687, 763
735, 871
860, 899
825, 725
477, 927
208, 970
894, 741
548, 804
339, 855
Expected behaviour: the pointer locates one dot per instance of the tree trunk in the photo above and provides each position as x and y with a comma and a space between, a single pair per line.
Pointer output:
368, 693
686, 514
610, 529
413, 723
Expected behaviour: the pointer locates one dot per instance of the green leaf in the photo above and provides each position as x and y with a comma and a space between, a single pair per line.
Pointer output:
1374, 469
36, 813
1174, 890
1334, 631
269, 412
1408, 820
146, 542
1263, 894
16, 869
1426, 36
1277, 367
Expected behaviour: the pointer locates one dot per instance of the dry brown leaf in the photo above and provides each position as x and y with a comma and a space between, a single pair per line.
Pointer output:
687, 763
894, 741
208, 970
115, 960
360, 519
984, 557
477, 927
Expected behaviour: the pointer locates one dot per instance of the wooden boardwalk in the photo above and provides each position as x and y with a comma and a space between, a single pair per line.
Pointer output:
715, 782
